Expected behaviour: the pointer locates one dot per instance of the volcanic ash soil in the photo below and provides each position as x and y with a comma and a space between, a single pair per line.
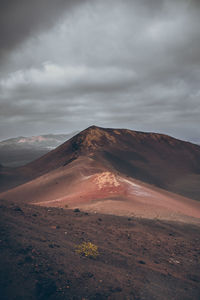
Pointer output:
138, 258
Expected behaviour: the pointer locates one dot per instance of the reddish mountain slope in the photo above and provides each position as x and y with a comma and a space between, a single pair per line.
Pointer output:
157, 159
87, 184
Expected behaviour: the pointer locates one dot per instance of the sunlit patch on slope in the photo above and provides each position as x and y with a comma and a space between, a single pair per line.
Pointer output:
106, 179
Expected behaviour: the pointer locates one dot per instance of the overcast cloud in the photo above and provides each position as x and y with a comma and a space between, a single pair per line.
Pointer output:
65, 65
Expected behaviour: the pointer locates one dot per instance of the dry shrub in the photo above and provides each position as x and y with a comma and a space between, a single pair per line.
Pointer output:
87, 249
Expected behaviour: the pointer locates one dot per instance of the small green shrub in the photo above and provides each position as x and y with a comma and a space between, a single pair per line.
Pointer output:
87, 249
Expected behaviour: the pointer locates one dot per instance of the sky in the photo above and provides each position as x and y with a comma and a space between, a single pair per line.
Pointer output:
66, 65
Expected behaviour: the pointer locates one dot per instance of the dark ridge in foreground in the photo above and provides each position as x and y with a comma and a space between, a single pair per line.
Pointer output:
138, 259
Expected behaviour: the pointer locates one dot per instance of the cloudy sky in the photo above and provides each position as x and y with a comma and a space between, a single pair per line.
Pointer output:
66, 65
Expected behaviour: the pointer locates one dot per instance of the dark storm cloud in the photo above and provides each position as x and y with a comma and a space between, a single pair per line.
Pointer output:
69, 64
20, 19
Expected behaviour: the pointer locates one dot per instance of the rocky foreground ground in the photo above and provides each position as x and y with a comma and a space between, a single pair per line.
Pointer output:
138, 258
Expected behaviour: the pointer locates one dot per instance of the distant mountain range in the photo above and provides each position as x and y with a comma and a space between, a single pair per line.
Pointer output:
19, 151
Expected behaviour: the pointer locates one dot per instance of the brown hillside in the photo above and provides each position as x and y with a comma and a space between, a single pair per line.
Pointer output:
157, 159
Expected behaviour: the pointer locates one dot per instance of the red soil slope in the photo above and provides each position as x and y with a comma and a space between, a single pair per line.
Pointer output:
90, 186
153, 158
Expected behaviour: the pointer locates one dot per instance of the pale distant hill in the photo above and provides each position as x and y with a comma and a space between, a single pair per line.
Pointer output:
19, 151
